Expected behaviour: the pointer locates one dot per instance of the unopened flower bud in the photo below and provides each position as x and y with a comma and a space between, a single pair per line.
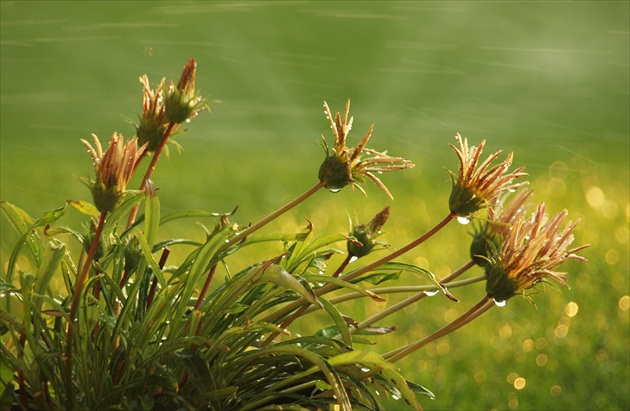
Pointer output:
343, 166
363, 237
182, 102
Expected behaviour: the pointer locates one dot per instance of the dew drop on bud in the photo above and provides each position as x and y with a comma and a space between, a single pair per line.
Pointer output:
500, 303
334, 190
431, 293
353, 258
463, 220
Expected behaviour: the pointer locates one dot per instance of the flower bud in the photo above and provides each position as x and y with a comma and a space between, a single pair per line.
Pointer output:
182, 102
363, 237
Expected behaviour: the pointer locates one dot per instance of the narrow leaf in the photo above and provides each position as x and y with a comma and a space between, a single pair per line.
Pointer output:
84, 207
279, 276
316, 278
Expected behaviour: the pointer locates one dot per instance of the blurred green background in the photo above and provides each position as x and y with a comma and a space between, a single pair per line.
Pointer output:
547, 80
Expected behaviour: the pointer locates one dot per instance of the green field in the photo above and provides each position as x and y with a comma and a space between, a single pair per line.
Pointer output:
546, 80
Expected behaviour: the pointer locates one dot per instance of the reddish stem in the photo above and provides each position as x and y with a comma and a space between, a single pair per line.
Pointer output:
161, 263
78, 288
150, 169
204, 290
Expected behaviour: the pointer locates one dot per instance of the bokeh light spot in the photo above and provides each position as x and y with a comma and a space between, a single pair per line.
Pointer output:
541, 360
624, 303
528, 345
571, 309
561, 331
595, 197
512, 377
555, 390
519, 383
612, 256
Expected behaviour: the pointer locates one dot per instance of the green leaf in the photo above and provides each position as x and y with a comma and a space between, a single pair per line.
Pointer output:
367, 358
419, 389
317, 278
392, 378
396, 266
151, 213
185, 214
332, 377
84, 207
22, 223
279, 276
148, 256
129, 200
50, 216
51, 259
304, 251
340, 324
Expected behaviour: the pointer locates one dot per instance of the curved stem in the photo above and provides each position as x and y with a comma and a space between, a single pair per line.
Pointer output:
409, 300
156, 156
78, 288
249, 230
475, 311
369, 267
399, 289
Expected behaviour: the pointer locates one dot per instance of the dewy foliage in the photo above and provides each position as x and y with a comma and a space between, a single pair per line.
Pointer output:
127, 331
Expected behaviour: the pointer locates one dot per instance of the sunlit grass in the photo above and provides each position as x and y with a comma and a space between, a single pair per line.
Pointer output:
548, 83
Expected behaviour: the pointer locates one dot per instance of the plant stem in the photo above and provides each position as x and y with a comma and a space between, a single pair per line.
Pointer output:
243, 234
165, 253
399, 289
156, 156
343, 266
369, 267
475, 311
204, 290
410, 300
78, 288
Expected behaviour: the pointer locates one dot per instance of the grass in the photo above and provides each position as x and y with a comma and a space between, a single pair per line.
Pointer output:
555, 96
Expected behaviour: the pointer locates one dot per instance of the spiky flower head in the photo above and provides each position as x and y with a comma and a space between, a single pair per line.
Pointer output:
344, 166
113, 168
477, 185
531, 250
183, 103
153, 121
489, 233
363, 237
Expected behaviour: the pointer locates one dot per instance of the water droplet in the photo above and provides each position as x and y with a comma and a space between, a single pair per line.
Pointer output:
500, 303
431, 293
334, 190
463, 220
353, 258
